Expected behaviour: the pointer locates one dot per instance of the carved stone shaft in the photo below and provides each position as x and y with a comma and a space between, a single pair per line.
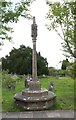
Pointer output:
34, 59
34, 84
34, 62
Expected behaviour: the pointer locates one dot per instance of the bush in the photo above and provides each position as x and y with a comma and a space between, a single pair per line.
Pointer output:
4, 72
69, 71
53, 71
9, 83
62, 73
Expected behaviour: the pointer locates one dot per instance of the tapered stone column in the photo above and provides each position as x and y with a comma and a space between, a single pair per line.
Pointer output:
34, 61
34, 57
34, 84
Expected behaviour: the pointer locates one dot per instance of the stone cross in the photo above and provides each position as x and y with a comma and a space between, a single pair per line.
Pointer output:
34, 59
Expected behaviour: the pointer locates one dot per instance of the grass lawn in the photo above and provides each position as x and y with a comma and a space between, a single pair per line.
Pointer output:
64, 90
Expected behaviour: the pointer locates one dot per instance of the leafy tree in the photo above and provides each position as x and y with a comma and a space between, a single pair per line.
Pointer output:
42, 65
52, 71
62, 73
20, 61
65, 64
10, 13
70, 70
62, 18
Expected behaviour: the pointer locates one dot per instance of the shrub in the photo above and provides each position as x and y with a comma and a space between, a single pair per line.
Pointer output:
9, 83
5, 72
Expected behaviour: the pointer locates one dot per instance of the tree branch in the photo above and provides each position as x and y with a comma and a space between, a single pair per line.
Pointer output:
62, 30
59, 34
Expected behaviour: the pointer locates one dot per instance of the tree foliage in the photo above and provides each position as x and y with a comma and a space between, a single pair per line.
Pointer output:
9, 13
62, 18
70, 70
42, 65
52, 71
19, 61
65, 64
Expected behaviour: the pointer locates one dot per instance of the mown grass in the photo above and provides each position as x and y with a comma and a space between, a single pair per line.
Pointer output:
63, 88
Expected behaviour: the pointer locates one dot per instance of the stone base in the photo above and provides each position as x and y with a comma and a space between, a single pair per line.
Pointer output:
35, 100
37, 93
34, 85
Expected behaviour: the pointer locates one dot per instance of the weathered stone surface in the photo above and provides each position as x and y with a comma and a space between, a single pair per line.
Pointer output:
34, 56
33, 93
10, 115
26, 115
35, 102
60, 114
34, 85
41, 114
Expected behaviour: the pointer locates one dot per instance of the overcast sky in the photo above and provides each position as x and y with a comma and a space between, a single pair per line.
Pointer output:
48, 42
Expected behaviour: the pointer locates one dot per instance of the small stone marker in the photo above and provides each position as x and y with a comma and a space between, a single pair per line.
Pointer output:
51, 87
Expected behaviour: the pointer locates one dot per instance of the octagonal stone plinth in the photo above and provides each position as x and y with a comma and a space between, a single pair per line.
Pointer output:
35, 100
33, 93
